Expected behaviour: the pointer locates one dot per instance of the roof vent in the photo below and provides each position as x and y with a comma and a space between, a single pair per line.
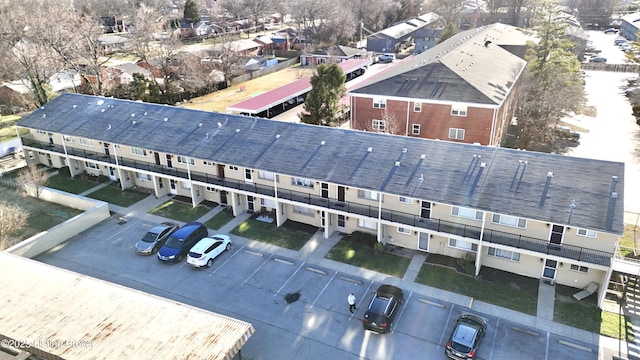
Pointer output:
397, 163
165, 119
404, 150
200, 125
278, 136
133, 122
102, 110
109, 127
423, 156
132, 115
100, 102
219, 124
369, 149
421, 177
322, 142
145, 113
550, 174
44, 116
75, 106
237, 131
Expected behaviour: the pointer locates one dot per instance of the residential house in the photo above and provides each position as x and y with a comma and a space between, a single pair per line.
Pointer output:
281, 41
122, 74
425, 39
462, 89
265, 42
66, 80
546, 216
111, 43
15, 96
332, 54
630, 26
400, 36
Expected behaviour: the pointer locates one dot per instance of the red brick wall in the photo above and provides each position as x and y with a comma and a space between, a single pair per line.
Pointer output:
434, 120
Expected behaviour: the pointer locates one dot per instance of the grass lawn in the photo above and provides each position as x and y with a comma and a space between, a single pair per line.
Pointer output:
628, 242
114, 195
219, 220
268, 232
7, 130
70, 185
180, 211
361, 255
483, 290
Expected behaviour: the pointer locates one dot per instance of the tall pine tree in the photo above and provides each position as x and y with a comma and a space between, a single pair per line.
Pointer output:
323, 101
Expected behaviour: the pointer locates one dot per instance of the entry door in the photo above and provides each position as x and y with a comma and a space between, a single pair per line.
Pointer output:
112, 173
49, 160
172, 187
425, 210
250, 205
323, 219
341, 193
549, 270
156, 156
557, 234
169, 163
223, 197
221, 171
324, 190
248, 179
341, 223
423, 242
50, 138
106, 149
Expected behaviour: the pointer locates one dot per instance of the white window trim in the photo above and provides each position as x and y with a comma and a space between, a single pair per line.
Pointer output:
67, 138
302, 210
472, 246
136, 150
268, 203
405, 200
579, 268
367, 224
502, 220
501, 254
298, 181
456, 211
85, 142
266, 175
207, 163
587, 233
91, 165
368, 194
403, 230
184, 160
456, 135
417, 107
143, 176
232, 167
378, 125
379, 103
459, 110
185, 185
415, 129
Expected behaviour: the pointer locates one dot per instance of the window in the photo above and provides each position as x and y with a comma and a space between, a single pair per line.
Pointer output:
417, 107
457, 134
67, 138
185, 160
266, 175
207, 163
268, 203
466, 213
379, 125
90, 165
116, 146
458, 110
210, 189
369, 195
509, 220
379, 103
41, 132
85, 142
415, 129
461, 244
303, 210
579, 268
143, 176
138, 151
185, 185
301, 182
587, 233
366, 224
505, 254
233, 168
405, 200
406, 231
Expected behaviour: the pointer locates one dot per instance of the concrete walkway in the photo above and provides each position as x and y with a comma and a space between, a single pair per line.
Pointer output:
314, 251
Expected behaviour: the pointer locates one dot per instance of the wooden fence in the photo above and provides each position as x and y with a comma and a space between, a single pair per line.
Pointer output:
628, 68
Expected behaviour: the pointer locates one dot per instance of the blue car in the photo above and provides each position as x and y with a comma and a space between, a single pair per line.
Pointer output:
179, 243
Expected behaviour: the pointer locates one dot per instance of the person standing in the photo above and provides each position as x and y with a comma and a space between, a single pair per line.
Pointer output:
351, 299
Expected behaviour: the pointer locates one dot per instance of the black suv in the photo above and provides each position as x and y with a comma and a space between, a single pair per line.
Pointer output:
383, 309
466, 337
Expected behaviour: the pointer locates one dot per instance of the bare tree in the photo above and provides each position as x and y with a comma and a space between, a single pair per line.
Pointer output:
391, 124
32, 179
449, 10
12, 219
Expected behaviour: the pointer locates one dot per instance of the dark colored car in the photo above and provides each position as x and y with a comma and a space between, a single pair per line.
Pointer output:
611, 31
466, 337
383, 308
179, 243
155, 238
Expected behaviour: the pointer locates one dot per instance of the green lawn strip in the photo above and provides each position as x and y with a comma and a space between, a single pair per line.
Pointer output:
589, 317
7, 129
114, 195
180, 211
450, 280
219, 220
269, 233
43, 215
70, 185
363, 256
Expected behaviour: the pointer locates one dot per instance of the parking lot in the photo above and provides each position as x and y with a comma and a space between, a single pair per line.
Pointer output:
252, 285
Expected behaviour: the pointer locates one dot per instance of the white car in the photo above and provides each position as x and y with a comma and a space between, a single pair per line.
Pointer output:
207, 249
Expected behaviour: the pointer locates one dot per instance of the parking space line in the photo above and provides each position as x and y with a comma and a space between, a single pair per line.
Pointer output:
448, 319
364, 296
283, 261
251, 252
546, 349
575, 346
495, 334
257, 269
318, 271
117, 233
324, 288
348, 279
401, 312
289, 279
429, 302
530, 332
230, 257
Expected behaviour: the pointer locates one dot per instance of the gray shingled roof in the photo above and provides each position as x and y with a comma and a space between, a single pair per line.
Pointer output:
461, 69
451, 172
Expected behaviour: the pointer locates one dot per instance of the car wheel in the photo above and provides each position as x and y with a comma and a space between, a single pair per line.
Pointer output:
228, 247
209, 263
179, 259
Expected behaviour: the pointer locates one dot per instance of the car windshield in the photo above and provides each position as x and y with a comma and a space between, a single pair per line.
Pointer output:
150, 237
174, 243
463, 337
379, 305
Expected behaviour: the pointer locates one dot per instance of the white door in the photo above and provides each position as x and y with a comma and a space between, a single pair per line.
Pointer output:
172, 187
423, 242
112, 173
549, 270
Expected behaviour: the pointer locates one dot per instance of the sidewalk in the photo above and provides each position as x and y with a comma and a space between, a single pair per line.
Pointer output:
314, 251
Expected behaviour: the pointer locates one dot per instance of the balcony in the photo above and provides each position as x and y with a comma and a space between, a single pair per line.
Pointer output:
444, 227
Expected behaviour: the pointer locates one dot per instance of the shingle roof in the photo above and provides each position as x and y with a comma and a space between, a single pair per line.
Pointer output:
451, 172
408, 26
461, 69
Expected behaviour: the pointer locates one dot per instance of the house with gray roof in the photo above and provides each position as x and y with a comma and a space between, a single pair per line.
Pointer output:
400, 35
517, 211
462, 89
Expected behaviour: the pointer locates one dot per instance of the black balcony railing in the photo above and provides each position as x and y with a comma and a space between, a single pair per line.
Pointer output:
436, 225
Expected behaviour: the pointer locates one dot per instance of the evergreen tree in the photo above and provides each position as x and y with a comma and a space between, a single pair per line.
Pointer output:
191, 12
323, 101
448, 32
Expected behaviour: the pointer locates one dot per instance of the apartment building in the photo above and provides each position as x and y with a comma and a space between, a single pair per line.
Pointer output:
540, 215
461, 90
